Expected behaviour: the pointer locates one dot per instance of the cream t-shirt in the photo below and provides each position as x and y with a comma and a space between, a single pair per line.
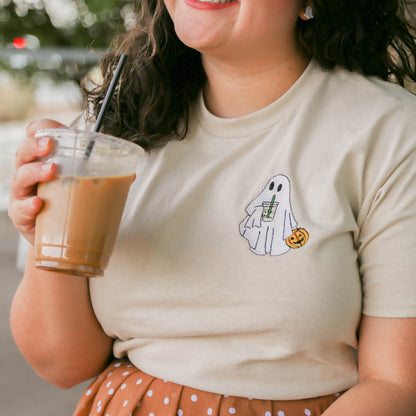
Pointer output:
249, 250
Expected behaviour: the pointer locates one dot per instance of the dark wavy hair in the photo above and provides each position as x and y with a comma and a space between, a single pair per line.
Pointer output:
162, 76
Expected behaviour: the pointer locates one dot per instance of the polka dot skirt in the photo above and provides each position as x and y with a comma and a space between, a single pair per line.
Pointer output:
123, 390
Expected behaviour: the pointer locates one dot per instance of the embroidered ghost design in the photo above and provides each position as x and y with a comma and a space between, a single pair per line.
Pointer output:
270, 220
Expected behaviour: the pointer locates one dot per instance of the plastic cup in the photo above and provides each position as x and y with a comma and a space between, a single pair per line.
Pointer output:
269, 211
83, 205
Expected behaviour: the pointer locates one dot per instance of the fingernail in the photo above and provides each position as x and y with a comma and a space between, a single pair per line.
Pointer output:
46, 167
43, 142
30, 123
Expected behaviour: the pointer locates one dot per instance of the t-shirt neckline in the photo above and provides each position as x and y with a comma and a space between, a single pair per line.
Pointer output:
247, 125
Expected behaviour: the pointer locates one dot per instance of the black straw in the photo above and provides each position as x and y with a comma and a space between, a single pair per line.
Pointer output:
106, 102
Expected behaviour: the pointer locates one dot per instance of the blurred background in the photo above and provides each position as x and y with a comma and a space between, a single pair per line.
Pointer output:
46, 48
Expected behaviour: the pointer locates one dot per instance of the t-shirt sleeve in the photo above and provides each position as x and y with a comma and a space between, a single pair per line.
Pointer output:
387, 245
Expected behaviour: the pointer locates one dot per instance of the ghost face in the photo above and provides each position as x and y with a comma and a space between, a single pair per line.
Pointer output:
236, 27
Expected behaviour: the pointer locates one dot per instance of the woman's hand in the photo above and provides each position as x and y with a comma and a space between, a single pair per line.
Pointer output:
24, 203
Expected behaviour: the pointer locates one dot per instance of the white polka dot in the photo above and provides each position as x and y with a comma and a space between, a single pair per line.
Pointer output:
139, 404
209, 412
194, 397
110, 392
108, 384
267, 414
280, 413
117, 365
109, 374
130, 365
139, 381
123, 386
165, 381
99, 408
125, 403
88, 392
107, 414
250, 398
231, 411
226, 395
307, 412
150, 393
166, 400
179, 412
151, 414
99, 403
126, 373
337, 394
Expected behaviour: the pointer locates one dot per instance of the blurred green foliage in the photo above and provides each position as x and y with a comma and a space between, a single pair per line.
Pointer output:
88, 25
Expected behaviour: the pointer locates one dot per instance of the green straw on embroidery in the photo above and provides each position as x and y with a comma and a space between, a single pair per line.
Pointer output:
271, 207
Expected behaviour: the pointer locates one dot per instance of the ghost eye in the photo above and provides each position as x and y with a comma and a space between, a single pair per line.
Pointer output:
279, 188
271, 186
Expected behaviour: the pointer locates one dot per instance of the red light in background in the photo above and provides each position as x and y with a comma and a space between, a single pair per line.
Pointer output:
19, 43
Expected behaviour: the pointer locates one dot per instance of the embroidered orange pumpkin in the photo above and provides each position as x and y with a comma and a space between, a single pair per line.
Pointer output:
298, 239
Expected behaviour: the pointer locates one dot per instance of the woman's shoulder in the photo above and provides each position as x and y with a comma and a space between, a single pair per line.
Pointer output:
367, 107
370, 122
371, 94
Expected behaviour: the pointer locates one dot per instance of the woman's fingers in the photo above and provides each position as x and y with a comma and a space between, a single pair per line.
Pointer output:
22, 213
24, 204
44, 123
26, 177
32, 147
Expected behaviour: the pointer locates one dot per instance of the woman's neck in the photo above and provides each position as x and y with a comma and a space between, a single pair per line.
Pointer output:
234, 90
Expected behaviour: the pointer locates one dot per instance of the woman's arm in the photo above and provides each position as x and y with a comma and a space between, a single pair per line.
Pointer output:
55, 328
387, 368
52, 319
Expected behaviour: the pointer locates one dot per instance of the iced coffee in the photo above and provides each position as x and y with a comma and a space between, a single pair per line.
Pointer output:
83, 205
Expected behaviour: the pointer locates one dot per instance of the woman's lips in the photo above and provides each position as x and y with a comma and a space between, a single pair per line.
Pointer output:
210, 4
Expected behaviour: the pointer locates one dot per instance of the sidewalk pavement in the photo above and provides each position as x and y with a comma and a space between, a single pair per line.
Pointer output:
22, 392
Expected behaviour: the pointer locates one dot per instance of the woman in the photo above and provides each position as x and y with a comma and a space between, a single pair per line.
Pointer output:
264, 265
